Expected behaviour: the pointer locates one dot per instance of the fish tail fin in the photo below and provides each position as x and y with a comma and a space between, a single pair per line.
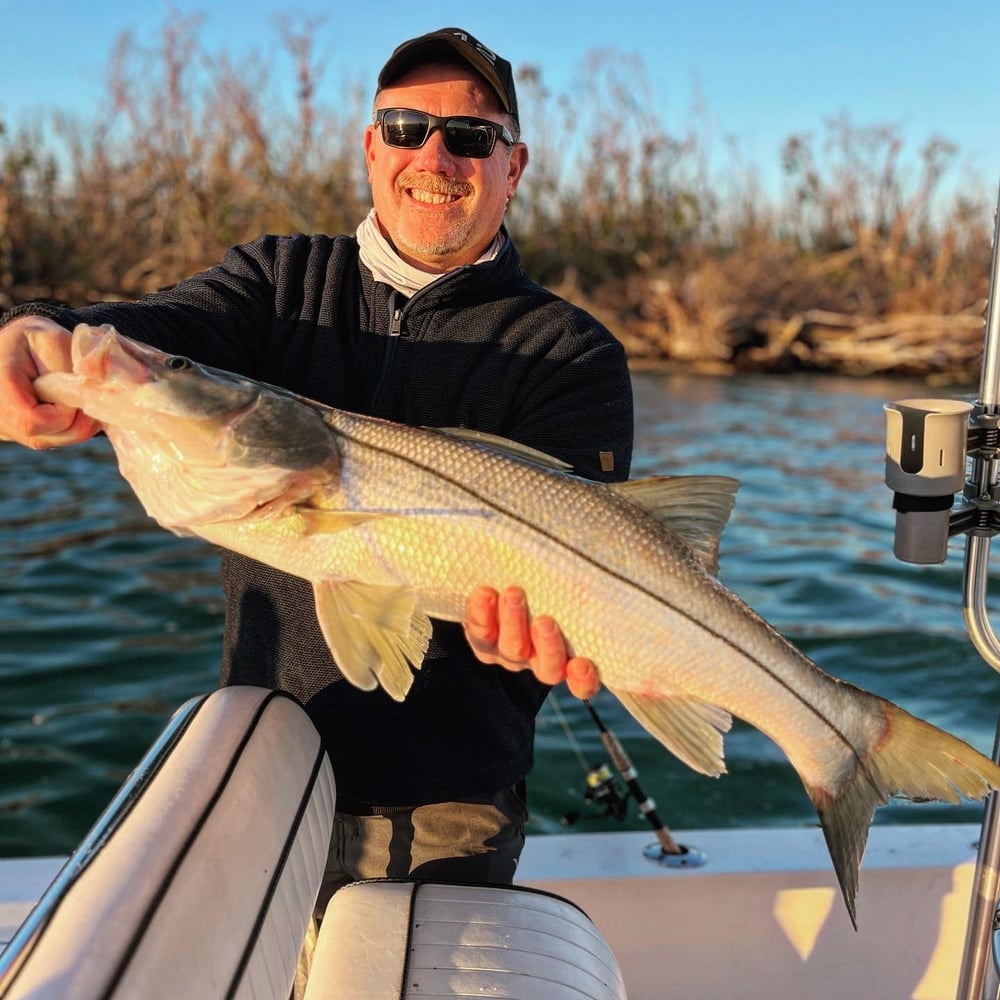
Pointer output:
914, 760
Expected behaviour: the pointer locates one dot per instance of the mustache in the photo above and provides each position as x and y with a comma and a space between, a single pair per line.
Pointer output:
433, 184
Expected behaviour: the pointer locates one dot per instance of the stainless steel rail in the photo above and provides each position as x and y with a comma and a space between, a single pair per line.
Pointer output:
980, 975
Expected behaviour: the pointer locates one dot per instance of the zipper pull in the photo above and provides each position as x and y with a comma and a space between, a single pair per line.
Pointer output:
396, 322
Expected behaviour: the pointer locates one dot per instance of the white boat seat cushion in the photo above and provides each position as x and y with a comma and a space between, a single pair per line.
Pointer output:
386, 939
202, 883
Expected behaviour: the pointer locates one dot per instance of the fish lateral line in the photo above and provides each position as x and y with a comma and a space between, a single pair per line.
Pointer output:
594, 562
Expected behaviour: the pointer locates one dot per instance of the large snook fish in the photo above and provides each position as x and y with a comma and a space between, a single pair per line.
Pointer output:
395, 525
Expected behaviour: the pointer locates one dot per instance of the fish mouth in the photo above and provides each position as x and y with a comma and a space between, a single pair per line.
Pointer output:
99, 353
160, 383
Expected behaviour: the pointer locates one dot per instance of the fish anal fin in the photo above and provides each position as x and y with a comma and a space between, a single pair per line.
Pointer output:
689, 728
696, 508
374, 633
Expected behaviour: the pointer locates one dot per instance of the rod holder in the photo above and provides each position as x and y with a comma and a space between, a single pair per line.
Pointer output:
925, 460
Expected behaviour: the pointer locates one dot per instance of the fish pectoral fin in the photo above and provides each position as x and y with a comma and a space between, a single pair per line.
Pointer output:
689, 728
512, 449
317, 521
696, 508
374, 633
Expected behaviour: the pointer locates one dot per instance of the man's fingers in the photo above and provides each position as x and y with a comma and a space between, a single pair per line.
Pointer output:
500, 630
550, 650
514, 642
482, 625
29, 347
62, 426
582, 678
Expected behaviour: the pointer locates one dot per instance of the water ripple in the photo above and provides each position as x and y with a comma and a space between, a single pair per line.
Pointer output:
110, 623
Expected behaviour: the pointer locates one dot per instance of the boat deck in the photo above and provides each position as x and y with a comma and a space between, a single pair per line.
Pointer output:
763, 914
764, 917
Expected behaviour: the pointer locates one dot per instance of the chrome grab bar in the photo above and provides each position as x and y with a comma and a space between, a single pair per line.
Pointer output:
929, 443
980, 977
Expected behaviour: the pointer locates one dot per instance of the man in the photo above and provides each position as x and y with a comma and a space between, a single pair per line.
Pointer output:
423, 316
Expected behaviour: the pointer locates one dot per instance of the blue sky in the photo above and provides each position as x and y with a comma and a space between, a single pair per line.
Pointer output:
760, 71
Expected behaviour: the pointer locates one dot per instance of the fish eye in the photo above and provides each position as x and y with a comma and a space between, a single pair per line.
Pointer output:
178, 363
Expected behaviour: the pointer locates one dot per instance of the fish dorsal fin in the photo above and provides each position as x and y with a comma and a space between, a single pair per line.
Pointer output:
374, 633
689, 728
513, 449
694, 507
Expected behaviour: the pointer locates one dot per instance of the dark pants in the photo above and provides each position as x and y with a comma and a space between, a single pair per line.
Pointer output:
476, 840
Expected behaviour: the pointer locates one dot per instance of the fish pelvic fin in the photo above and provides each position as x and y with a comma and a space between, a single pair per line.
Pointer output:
690, 729
374, 633
914, 760
696, 508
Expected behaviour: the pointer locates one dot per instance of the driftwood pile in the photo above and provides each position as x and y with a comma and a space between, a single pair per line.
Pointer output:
904, 345
723, 339
944, 348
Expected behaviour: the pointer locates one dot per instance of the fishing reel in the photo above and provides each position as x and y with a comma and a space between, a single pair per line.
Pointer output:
928, 442
603, 791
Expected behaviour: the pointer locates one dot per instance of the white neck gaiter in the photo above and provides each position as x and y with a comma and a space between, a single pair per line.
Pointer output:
378, 255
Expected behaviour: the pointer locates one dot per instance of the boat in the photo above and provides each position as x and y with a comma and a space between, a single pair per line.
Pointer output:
188, 886
199, 878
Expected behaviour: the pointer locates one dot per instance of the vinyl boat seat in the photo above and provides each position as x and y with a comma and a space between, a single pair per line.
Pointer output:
199, 879
387, 939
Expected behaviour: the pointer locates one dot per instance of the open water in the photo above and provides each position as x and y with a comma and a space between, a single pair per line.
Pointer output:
108, 623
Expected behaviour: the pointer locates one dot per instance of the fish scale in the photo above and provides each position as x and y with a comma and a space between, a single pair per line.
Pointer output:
521, 540
395, 525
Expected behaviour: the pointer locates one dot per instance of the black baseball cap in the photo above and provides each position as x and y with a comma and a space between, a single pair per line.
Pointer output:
452, 42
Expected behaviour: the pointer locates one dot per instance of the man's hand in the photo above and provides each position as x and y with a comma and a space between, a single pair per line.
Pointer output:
29, 347
500, 630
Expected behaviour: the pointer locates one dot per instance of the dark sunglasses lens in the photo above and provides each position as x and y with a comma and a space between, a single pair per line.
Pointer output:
405, 129
473, 139
408, 130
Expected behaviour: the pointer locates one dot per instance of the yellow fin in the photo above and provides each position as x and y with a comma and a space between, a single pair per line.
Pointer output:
374, 633
317, 521
694, 507
913, 759
513, 449
689, 728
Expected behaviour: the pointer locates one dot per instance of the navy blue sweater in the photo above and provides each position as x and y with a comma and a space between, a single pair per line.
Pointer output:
482, 347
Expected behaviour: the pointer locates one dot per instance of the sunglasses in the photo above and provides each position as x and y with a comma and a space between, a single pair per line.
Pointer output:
405, 128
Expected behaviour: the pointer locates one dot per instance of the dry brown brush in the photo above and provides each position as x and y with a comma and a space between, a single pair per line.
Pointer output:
864, 259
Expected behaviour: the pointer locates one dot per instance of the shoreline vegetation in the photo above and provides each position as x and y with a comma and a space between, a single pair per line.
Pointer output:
870, 258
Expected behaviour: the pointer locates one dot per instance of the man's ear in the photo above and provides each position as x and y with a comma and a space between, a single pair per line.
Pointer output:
370, 147
515, 169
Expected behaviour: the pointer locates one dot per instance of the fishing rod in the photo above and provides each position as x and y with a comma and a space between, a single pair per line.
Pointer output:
603, 790
928, 443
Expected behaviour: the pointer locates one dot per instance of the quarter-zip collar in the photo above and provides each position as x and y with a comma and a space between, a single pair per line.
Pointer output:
473, 280
442, 291
381, 258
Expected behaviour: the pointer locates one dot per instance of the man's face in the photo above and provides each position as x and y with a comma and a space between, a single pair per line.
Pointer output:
440, 210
